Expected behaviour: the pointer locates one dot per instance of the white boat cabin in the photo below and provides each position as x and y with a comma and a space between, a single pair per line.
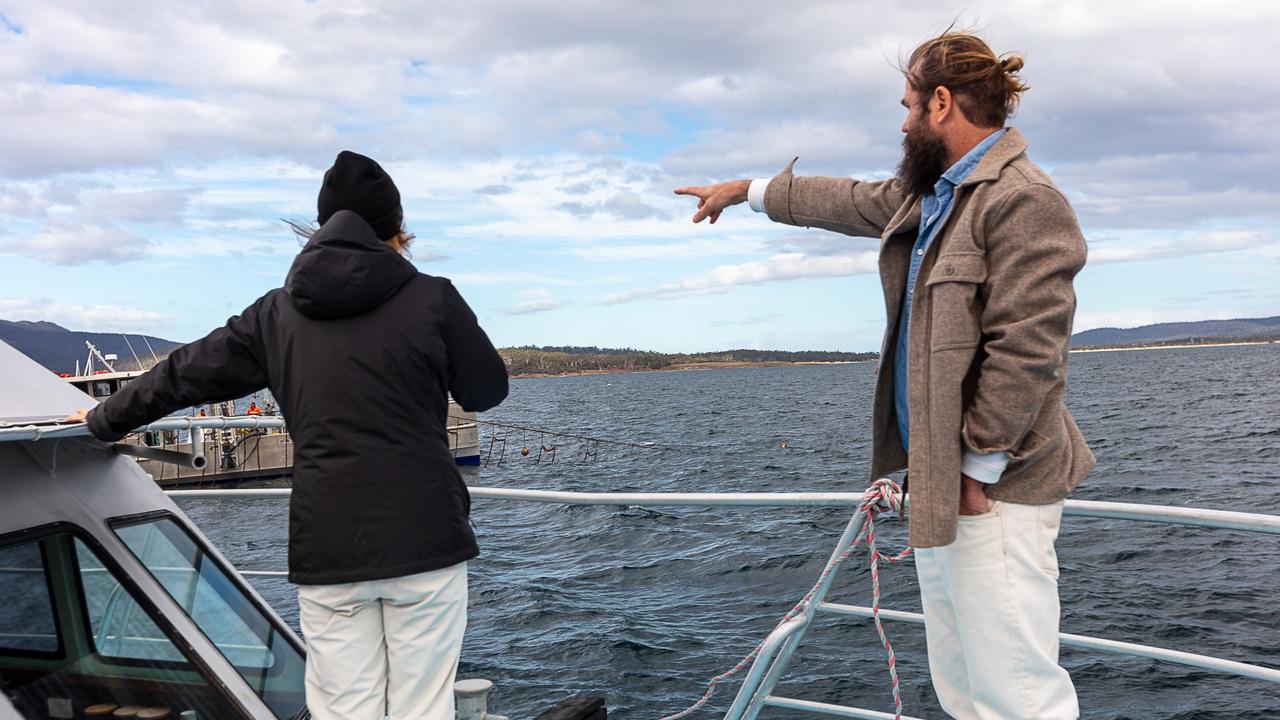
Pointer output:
111, 600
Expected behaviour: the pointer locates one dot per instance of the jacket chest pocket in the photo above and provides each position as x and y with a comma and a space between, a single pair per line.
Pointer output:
955, 304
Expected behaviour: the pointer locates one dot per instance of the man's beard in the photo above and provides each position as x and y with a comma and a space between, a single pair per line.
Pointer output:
924, 159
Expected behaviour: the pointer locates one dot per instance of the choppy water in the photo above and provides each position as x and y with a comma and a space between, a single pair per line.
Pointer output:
645, 604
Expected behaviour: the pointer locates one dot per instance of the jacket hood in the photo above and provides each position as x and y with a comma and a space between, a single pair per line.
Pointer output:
345, 270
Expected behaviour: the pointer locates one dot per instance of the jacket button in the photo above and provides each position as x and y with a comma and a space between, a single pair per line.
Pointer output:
949, 270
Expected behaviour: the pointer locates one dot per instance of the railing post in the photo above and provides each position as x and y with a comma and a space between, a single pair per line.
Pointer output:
196, 436
758, 667
751, 696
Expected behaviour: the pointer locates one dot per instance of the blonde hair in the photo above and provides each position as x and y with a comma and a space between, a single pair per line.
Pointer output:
306, 230
986, 86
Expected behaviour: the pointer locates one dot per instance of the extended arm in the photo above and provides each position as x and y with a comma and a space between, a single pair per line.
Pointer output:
843, 205
1034, 250
477, 374
227, 363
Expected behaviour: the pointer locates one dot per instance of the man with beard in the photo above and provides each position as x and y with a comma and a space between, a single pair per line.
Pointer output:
977, 257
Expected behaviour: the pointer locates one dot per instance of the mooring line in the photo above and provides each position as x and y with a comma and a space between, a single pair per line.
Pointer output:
884, 495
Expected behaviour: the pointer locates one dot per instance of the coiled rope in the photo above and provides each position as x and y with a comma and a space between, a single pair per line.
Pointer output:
884, 495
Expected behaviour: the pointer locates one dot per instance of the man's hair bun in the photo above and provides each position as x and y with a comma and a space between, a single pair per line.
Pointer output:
1011, 63
985, 85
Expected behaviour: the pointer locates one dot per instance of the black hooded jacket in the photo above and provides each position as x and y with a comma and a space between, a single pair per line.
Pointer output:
360, 349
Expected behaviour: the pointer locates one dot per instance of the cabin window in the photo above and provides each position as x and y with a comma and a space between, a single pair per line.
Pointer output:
101, 389
120, 628
110, 650
27, 620
260, 651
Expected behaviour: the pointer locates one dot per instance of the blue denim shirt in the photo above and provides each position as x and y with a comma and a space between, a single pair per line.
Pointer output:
934, 208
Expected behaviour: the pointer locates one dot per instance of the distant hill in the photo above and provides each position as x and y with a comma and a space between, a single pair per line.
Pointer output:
551, 360
58, 348
1182, 332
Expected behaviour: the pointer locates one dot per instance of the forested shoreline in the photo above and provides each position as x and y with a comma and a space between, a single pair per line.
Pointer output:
569, 360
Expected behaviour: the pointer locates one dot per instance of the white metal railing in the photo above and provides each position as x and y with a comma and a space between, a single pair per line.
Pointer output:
1204, 662
57, 428
783, 640
1202, 517
779, 645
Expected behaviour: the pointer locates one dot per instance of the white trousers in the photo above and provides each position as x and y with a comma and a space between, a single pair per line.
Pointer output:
991, 617
384, 647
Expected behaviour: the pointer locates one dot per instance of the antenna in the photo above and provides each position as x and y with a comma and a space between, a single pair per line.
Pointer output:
93, 353
155, 360
131, 352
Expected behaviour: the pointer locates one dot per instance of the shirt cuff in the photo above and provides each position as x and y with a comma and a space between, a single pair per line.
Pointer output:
984, 467
755, 194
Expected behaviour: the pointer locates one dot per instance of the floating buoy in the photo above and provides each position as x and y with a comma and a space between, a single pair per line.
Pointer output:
782, 445
524, 451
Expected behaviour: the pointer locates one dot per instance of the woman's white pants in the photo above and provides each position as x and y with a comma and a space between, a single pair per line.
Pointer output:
384, 647
991, 617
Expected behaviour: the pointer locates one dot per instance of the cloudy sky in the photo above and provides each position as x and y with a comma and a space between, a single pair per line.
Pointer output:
150, 150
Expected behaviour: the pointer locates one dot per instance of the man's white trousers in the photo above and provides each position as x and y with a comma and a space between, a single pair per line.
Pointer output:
991, 617
384, 647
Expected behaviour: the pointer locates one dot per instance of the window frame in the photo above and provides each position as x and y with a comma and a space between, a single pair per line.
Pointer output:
17, 538
235, 578
153, 612
103, 555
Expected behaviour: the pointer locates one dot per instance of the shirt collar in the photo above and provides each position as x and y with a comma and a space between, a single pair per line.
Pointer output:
965, 165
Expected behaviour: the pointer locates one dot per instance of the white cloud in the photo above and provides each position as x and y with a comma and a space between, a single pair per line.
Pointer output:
1137, 317
586, 200
161, 206
70, 243
623, 205
493, 115
1214, 241
505, 277
293, 78
99, 318
762, 150
535, 301
707, 247
783, 266
20, 202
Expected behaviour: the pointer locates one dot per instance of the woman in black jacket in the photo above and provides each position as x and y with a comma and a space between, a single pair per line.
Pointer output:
361, 351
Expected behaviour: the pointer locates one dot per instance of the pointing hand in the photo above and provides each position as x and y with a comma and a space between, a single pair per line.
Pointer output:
713, 199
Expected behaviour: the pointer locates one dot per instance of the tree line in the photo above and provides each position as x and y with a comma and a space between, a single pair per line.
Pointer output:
560, 360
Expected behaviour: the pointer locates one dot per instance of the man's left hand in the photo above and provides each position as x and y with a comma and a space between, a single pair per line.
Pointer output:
973, 497
77, 416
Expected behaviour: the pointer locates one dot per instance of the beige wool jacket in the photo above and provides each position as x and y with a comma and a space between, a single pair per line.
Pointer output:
990, 325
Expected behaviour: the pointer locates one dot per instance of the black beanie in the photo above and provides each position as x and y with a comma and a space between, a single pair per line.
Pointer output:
359, 184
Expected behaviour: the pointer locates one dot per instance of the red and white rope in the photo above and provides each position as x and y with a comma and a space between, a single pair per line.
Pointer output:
883, 495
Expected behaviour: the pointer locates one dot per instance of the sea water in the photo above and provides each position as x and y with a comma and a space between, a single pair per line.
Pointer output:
643, 605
